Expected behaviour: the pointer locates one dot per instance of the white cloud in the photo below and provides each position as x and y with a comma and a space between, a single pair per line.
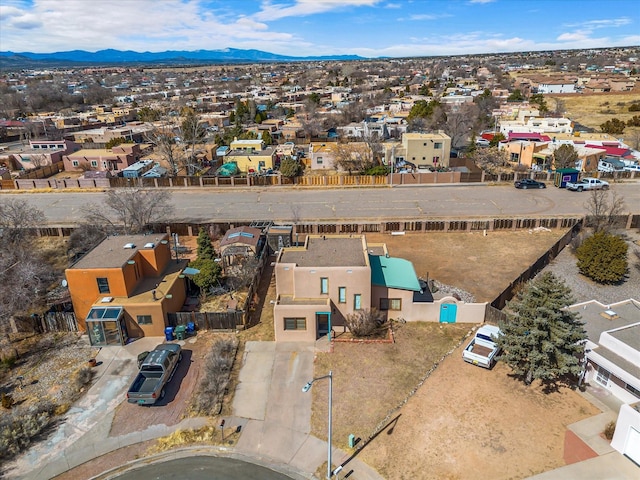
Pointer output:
482, 1
427, 16
140, 25
604, 23
301, 8
573, 36
393, 5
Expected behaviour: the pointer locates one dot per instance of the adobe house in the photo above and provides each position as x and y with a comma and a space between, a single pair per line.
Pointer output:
125, 287
331, 276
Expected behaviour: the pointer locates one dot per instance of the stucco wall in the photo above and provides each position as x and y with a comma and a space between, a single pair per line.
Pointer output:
280, 312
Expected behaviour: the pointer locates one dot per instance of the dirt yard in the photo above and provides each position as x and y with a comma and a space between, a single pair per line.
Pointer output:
468, 422
483, 266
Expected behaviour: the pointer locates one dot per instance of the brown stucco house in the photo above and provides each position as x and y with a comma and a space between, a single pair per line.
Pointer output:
125, 287
332, 276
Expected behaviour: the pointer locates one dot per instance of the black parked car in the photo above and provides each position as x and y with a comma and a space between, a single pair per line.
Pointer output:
529, 183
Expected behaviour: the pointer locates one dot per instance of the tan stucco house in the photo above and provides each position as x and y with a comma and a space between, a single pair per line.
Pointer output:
332, 276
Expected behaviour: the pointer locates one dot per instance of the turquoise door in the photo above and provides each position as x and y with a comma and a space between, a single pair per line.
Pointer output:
448, 312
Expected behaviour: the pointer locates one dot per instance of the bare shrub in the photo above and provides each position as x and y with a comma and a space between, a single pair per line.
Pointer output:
609, 430
82, 377
217, 369
19, 428
364, 323
577, 241
6, 401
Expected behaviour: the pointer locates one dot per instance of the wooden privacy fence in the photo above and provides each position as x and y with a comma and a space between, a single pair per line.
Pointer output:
508, 293
49, 322
207, 320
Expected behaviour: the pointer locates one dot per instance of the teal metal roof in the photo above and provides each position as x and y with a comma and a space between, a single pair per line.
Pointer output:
393, 273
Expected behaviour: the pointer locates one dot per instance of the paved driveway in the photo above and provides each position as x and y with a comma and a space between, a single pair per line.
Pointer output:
270, 396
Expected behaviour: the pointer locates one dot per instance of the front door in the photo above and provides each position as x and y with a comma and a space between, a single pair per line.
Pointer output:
448, 312
323, 323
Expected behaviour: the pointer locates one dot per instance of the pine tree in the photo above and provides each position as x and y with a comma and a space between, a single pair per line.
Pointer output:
205, 249
603, 258
541, 339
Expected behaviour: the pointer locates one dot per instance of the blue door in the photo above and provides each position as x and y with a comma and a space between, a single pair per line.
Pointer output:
448, 312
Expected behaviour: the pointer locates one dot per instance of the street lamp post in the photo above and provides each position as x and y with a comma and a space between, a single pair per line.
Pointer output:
305, 389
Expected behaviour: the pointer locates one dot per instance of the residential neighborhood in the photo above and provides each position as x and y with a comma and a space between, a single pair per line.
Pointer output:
246, 227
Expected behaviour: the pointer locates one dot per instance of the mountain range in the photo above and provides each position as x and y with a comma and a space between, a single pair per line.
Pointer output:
110, 56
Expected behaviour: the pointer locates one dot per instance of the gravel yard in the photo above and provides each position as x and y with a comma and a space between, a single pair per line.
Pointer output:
585, 289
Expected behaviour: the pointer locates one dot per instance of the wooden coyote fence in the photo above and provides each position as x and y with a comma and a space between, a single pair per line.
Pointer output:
49, 322
207, 320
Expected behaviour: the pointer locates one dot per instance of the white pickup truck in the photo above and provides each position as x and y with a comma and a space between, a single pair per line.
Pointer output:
587, 183
482, 350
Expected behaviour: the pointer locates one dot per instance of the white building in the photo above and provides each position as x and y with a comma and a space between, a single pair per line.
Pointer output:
613, 347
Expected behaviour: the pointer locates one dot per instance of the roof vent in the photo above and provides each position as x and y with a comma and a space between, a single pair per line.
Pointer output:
149, 245
609, 315
106, 300
129, 246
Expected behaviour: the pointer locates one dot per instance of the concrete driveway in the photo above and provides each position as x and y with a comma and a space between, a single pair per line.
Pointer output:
274, 412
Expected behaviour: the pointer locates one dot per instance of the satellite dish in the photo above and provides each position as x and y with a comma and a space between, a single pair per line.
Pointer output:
64, 283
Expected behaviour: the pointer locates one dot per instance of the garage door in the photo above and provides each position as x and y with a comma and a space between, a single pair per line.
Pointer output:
632, 448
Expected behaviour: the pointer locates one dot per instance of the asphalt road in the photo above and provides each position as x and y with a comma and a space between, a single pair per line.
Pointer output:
291, 204
203, 468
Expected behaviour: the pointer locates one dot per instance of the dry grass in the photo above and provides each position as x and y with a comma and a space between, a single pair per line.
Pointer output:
592, 110
372, 380
483, 266
53, 251
208, 435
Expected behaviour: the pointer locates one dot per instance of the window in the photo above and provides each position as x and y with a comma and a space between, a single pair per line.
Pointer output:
75, 163
103, 285
357, 299
295, 323
437, 145
515, 157
436, 160
319, 160
390, 304
602, 377
633, 390
144, 320
342, 294
94, 163
324, 285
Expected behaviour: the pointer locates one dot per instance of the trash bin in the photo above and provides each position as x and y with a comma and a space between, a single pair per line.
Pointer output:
168, 333
191, 328
180, 332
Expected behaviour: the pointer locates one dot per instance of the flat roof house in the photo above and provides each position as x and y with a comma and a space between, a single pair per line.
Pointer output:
332, 276
613, 346
125, 287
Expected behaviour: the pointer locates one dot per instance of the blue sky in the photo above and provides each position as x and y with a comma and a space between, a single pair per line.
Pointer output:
370, 28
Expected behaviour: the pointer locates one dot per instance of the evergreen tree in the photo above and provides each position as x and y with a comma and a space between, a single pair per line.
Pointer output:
541, 339
603, 258
565, 156
205, 249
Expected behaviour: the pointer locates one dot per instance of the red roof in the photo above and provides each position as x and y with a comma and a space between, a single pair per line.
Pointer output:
613, 151
528, 136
